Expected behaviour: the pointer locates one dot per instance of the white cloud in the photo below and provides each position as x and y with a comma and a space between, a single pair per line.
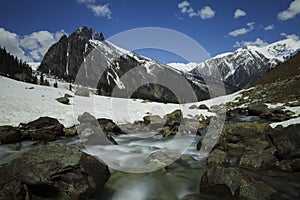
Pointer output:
29, 47
205, 13
183, 4
258, 42
291, 36
291, 12
101, 10
11, 42
239, 13
242, 31
269, 27
97, 9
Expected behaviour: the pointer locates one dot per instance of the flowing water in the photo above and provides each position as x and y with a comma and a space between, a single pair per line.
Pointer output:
167, 177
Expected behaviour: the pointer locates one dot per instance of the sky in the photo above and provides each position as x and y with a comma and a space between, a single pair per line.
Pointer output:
29, 27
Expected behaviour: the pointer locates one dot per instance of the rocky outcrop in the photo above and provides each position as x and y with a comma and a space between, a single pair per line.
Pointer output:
249, 157
64, 58
51, 172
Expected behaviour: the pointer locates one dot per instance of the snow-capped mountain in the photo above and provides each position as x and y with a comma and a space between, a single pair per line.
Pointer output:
245, 65
85, 55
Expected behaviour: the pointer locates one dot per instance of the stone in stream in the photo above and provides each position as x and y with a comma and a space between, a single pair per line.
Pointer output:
94, 134
54, 171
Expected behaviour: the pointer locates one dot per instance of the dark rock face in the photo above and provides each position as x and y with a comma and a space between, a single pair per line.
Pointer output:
44, 128
68, 53
51, 172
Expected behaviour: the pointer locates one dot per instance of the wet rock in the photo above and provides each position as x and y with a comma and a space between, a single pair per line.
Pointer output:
232, 183
9, 134
217, 157
110, 127
261, 159
290, 165
63, 100
44, 128
167, 131
51, 172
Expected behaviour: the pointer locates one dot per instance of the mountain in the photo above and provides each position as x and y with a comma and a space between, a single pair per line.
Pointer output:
282, 83
12, 67
86, 56
245, 65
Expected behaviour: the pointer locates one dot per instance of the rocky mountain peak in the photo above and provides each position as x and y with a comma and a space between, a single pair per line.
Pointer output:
85, 33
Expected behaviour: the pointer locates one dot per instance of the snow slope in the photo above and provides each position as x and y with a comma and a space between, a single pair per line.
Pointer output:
23, 102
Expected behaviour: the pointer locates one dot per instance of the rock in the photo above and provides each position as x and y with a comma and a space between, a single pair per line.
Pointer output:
233, 184
81, 91
109, 127
258, 109
167, 131
221, 180
94, 135
193, 107
43, 128
68, 95
9, 134
203, 106
217, 157
290, 165
293, 104
70, 132
174, 118
88, 118
251, 136
261, 159
63, 100
287, 141
54, 171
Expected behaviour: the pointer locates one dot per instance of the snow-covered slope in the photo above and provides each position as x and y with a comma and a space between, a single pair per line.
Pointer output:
22, 102
245, 65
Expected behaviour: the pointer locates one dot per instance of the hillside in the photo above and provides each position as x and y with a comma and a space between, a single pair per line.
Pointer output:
282, 83
15, 68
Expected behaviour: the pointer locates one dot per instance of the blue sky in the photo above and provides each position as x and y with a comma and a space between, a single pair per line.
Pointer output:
29, 27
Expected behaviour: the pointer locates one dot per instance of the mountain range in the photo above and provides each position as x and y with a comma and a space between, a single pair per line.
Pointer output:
86, 56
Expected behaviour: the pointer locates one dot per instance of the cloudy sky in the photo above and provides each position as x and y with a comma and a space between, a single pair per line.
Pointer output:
29, 27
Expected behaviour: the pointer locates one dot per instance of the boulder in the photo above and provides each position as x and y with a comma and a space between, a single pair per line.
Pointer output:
9, 134
173, 119
258, 109
232, 183
87, 118
290, 165
203, 106
261, 159
70, 132
217, 157
63, 100
44, 128
109, 127
54, 171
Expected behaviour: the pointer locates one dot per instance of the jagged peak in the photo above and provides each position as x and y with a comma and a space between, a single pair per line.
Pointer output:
88, 33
